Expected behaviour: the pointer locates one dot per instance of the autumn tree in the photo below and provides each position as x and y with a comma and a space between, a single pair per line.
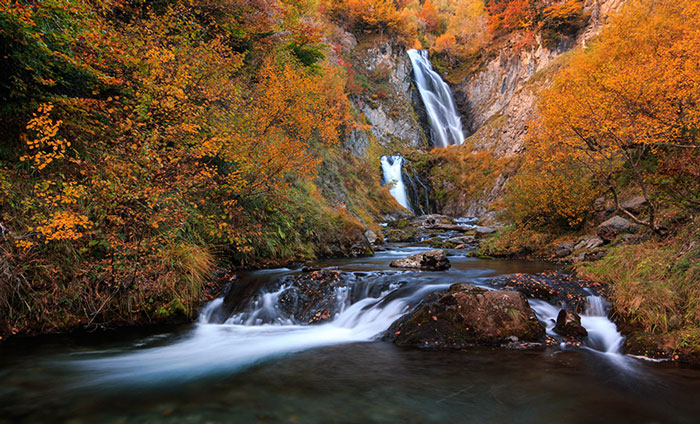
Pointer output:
428, 16
150, 137
629, 101
510, 15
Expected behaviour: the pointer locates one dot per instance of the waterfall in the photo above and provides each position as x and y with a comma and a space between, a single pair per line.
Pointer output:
392, 167
445, 123
602, 333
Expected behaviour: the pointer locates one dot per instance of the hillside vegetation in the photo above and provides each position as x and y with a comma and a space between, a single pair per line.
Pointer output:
149, 146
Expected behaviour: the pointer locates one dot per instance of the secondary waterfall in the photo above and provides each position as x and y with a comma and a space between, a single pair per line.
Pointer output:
445, 123
603, 335
391, 167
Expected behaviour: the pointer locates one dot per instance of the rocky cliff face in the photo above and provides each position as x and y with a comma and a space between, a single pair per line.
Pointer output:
390, 102
499, 101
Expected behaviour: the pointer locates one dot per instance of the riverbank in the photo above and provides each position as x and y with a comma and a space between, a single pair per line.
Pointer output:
652, 281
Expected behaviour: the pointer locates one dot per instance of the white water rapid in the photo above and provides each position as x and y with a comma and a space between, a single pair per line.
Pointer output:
392, 167
260, 332
445, 123
602, 333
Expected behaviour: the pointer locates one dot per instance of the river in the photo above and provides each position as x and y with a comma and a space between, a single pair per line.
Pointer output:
260, 366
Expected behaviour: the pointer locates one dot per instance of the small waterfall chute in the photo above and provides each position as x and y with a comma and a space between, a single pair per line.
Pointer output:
392, 168
445, 122
602, 333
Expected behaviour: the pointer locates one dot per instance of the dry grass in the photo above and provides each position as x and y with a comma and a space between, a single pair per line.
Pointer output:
655, 290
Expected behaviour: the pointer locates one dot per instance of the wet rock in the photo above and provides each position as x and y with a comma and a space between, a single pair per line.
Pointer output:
609, 229
569, 325
588, 242
464, 242
553, 287
483, 230
312, 297
311, 268
635, 204
468, 316
432, 220
433, 260
401, 235
564, 249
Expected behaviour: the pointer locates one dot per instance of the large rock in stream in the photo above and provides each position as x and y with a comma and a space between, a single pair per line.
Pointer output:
569, 325
553, 287
469, 316
432, 260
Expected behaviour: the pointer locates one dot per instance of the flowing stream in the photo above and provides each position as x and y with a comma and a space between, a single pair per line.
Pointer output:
258, 363
445, 123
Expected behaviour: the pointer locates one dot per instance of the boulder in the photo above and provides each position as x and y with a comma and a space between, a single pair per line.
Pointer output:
588, 242
483, 230
609, 229
462, 240
432, 220
371, 236
552, 286
432, 260
468, 316
635, 204
312, 296
564, 249
569, 325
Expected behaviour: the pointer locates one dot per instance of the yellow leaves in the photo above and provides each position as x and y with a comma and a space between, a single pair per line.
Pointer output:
25, 245
63, 225
42, 143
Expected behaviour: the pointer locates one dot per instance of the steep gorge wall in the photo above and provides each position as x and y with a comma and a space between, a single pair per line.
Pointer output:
499, 101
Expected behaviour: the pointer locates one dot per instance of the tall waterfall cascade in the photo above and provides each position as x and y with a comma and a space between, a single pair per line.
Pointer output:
392, 169
445, 123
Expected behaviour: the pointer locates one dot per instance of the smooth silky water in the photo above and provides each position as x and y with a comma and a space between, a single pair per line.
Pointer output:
258, 365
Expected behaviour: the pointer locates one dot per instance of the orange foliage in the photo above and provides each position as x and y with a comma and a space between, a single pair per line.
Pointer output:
178, 144
368, 16
428, 16
628, 100
510, 15
446, 43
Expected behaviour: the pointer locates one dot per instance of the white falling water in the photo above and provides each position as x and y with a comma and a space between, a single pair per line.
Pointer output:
602, 333
242, 341
391, 167
445, 123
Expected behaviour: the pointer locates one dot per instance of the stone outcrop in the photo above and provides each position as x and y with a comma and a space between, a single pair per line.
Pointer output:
614, 226
432, 260
468, 316
398, 114
634, 204
499, 100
